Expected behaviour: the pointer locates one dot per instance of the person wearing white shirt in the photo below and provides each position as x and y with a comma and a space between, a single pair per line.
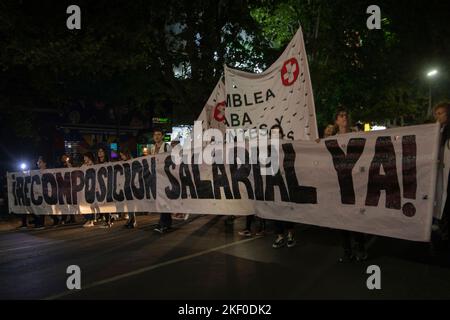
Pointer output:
159, 146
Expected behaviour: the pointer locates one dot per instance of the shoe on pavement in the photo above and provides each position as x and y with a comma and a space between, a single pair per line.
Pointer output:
245, 233
88, 224
106, 225
291, 241
161, 229
279, 242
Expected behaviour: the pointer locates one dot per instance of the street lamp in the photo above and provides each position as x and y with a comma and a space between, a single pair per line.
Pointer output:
431, 74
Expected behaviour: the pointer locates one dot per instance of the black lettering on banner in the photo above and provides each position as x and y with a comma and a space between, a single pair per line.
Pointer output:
237, 100
50, 196
36, 180
186, 181
118, 194
138, 191
110, 188
101, 192
269, 94
203, 187
240, 174
274, 179
173, 193
409, 166
344, 164
271, 182
246, 119
228, 101
150, 178
234, 120
77, 177
220, 180
127, 186
26, 190
246, 102
19, 191
409, 171
64, 188
89, 185
297, 193
14, 189
385, 157
257, 177
258, 97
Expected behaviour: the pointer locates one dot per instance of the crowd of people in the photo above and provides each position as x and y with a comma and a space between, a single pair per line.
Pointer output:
354, 244
105, 220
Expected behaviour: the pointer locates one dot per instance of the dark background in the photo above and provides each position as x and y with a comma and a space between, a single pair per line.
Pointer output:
134, 60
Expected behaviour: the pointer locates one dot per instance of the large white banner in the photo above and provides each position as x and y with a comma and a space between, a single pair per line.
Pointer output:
213, 112
280, 97
380, 182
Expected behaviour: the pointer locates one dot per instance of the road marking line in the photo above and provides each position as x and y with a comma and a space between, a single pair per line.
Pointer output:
149, 268
27, 247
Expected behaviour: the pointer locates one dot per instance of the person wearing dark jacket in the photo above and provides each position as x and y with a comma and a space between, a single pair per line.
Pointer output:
441, 113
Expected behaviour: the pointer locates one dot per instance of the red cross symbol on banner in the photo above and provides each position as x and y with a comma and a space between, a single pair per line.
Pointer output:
219, 111
289, 72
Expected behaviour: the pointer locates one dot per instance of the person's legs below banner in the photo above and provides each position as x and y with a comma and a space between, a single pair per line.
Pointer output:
347, 255
55, 220
165, 222
71, 219
281, 240
39, 222
131, 223
108, 223
89, 220
24, 218
262, 227
247, 232
360, 242
290, 236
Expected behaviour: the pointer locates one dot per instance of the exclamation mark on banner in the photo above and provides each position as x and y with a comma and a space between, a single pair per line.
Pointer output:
409, 173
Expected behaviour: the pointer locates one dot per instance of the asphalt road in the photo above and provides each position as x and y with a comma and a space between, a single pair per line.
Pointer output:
205, 259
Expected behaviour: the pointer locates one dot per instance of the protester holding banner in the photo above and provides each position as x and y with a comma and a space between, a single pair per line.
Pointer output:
39, 220
247, 232
66, 162
88, 160
125, 155
441, 112
341, 126
102, 158
159, 146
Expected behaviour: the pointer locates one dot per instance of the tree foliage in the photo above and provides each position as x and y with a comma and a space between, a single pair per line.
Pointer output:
168, 55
